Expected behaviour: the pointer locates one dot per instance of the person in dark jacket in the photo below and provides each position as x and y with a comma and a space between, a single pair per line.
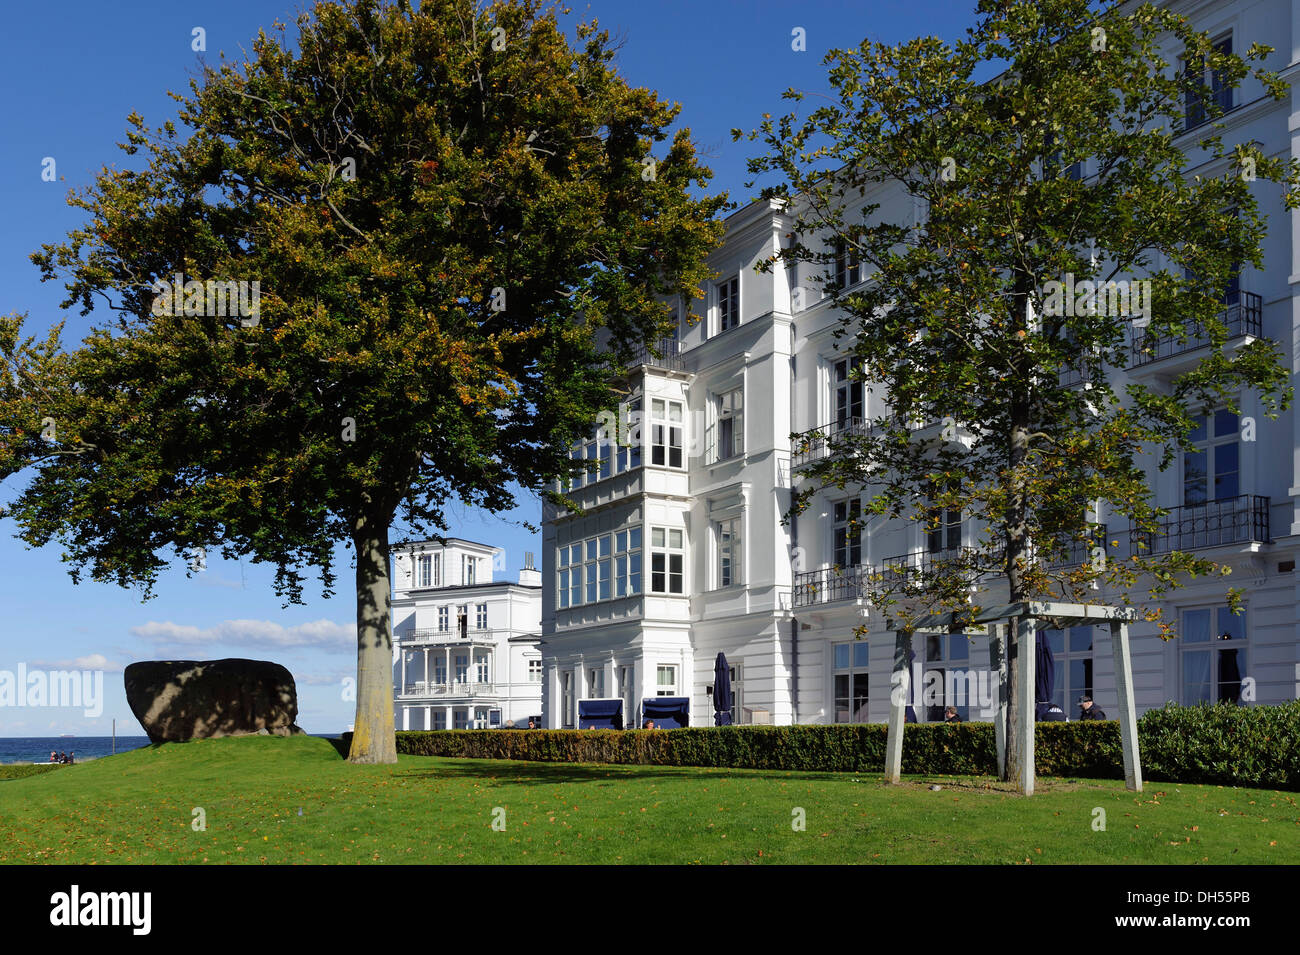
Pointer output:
950, 715
1089, 710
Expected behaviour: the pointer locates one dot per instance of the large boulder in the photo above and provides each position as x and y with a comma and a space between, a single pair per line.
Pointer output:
179, 700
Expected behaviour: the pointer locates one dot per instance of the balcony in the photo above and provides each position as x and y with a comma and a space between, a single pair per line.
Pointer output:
449, 638
1243, 316
1079, 552
1233, 520
929, 564
830, 584
824, 441
669, 355
425, 690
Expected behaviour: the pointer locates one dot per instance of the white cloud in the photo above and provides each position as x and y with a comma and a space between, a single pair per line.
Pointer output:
322, 634
93, 661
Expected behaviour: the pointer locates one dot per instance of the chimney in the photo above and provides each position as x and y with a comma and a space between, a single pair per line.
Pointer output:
530, 576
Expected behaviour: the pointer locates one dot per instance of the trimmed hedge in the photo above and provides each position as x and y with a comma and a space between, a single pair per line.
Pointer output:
1232, 745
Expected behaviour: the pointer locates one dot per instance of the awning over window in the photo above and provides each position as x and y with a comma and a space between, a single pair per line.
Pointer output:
600, 714
668, 712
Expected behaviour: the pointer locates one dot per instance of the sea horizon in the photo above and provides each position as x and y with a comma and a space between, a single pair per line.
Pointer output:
36, 749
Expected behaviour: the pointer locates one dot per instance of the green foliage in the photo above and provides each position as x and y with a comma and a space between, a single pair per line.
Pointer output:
21, 770
1230, 745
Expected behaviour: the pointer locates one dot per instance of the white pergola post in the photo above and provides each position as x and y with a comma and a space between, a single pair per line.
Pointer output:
998, 669
1025, 703
1127, 709
898, 685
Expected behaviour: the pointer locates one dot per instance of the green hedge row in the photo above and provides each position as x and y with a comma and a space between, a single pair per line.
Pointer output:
1243, 746
22, 770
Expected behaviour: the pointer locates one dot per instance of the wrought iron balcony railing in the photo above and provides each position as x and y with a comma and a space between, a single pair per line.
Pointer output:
829, 585
669, 355
825, 440
1078, 552
1233, 520
1243, 315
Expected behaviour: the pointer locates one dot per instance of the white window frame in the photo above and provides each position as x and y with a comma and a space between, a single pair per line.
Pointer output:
944, 661
662, 688
444, 619
730, 562
480, 616
534, 669
1221, 620
469, 570
728, 291
664, 555
667, 433
851, 669
424, 570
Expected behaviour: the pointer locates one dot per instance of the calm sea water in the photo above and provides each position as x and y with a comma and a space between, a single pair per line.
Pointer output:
36, 749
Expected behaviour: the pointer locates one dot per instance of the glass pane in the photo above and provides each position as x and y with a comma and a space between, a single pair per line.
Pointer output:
841, 656
1232, 664
1198, 428
1225, 471
674, 412
861, 654
591, 550
1229, 623
1195, 485
959, 646
1056, 640
620, 542
575, 554
634, 538
933, 646
1196, 626
675, 539
1080, 639
861, 695
604, 545
657, 537
1225, 423
1196, 677
657, 407
1080, 673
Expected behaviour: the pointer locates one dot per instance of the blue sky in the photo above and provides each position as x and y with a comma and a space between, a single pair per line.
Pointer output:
71, 72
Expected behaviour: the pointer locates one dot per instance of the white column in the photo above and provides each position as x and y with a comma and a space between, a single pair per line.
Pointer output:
402, 650
1025, 704
898, 684
1127, 710
451, 719
426, 669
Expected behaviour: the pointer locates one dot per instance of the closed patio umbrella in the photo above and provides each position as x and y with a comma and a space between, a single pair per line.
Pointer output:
1045, 680
721, 691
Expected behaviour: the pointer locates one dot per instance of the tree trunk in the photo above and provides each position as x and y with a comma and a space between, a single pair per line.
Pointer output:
373, 736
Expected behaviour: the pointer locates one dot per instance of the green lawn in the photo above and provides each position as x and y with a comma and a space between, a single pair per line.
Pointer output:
295, 800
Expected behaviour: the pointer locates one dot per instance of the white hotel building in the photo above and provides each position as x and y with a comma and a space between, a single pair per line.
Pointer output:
682, 552
465, 646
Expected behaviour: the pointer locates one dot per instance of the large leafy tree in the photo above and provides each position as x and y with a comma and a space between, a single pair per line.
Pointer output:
956, 321
450, 215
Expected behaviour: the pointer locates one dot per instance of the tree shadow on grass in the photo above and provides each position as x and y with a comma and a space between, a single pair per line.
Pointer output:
508, 770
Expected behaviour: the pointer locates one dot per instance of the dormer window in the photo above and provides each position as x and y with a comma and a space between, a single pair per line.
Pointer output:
729, 303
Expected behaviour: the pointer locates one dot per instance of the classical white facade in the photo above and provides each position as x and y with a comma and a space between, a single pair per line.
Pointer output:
465, 646
682, 552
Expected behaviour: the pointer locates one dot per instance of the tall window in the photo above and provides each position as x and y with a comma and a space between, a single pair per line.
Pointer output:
1212, 471
440, 669
481, 667
729, 548
444, 619
1195, 113
729, 303
600, 568
470, 565
847, 536
666, 432
727, 438
851, 681
1072, 662
666, 681
946, 534
480, 617
848, 395
667, 560
462, 667
462, 620
566, 699
1213, 655
596, 683
425, 576
948, 680
848, 267
535, 671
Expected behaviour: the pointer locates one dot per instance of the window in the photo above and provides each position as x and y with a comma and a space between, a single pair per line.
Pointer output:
566, 699
666, 432
847, 536
439, 718
444, 619
1213, 655
727, 434
1194, 103
425, 576
534, 671
737, 694
729, 550
848, 266
440, 669
946, 685
1052, 163
1212, 471
1072, 662
462, 667
461, 717
729, 303
600, 568
481, 668
667, 560
946, 535
480, 617
850, 661
849, 408
666, 681
462, 620
470, 565
596, 683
